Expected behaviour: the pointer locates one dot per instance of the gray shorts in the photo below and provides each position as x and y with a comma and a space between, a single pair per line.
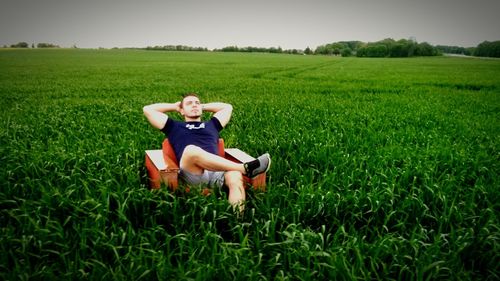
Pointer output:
213, 179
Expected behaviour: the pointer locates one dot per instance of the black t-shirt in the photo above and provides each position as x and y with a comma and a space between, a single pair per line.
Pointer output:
202, 134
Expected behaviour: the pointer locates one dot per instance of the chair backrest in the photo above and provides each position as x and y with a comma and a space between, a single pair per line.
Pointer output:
168, 151
221, 147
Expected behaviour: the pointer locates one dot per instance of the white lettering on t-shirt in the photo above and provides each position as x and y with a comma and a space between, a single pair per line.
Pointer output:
191, 126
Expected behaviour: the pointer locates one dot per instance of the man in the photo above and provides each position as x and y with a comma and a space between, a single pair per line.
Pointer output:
195, 145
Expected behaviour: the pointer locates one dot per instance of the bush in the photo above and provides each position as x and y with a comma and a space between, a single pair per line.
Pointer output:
46, 45
20, 45
488, 49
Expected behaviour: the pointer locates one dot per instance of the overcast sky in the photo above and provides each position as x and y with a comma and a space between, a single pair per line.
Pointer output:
272, 23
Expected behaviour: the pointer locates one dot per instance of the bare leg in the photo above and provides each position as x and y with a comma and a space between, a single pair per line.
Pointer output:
234, 181
195, 160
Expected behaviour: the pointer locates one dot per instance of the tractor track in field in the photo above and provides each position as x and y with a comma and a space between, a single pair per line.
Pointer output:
293, 71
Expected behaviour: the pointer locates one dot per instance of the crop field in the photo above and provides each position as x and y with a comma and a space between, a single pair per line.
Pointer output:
383, 169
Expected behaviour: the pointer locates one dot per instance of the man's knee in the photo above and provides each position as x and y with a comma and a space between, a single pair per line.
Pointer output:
190, 158
233, 179
191, 151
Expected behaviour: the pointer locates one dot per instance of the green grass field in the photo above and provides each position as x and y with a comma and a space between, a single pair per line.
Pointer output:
382, 168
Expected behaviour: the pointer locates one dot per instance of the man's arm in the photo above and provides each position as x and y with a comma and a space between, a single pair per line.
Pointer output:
222, 111
156, 113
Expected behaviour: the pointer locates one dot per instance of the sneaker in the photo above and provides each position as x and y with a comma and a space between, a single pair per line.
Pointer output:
258, 166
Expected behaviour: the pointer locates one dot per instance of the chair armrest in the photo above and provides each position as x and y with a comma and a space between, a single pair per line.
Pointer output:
237, 155
161, 162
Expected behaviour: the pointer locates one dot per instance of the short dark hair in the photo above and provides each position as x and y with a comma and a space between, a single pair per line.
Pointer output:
188, 95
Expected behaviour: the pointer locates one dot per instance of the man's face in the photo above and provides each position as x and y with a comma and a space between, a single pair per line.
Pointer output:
191, 107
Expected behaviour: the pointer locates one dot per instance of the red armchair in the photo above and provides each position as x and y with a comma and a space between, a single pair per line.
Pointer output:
162, 166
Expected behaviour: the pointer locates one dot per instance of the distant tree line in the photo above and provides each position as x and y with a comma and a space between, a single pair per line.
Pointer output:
484, 49
176, 48
18, 45
488, 49
343, 48
404, 48
46, 45
455, 50
26, 45
250, 49
384, 48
